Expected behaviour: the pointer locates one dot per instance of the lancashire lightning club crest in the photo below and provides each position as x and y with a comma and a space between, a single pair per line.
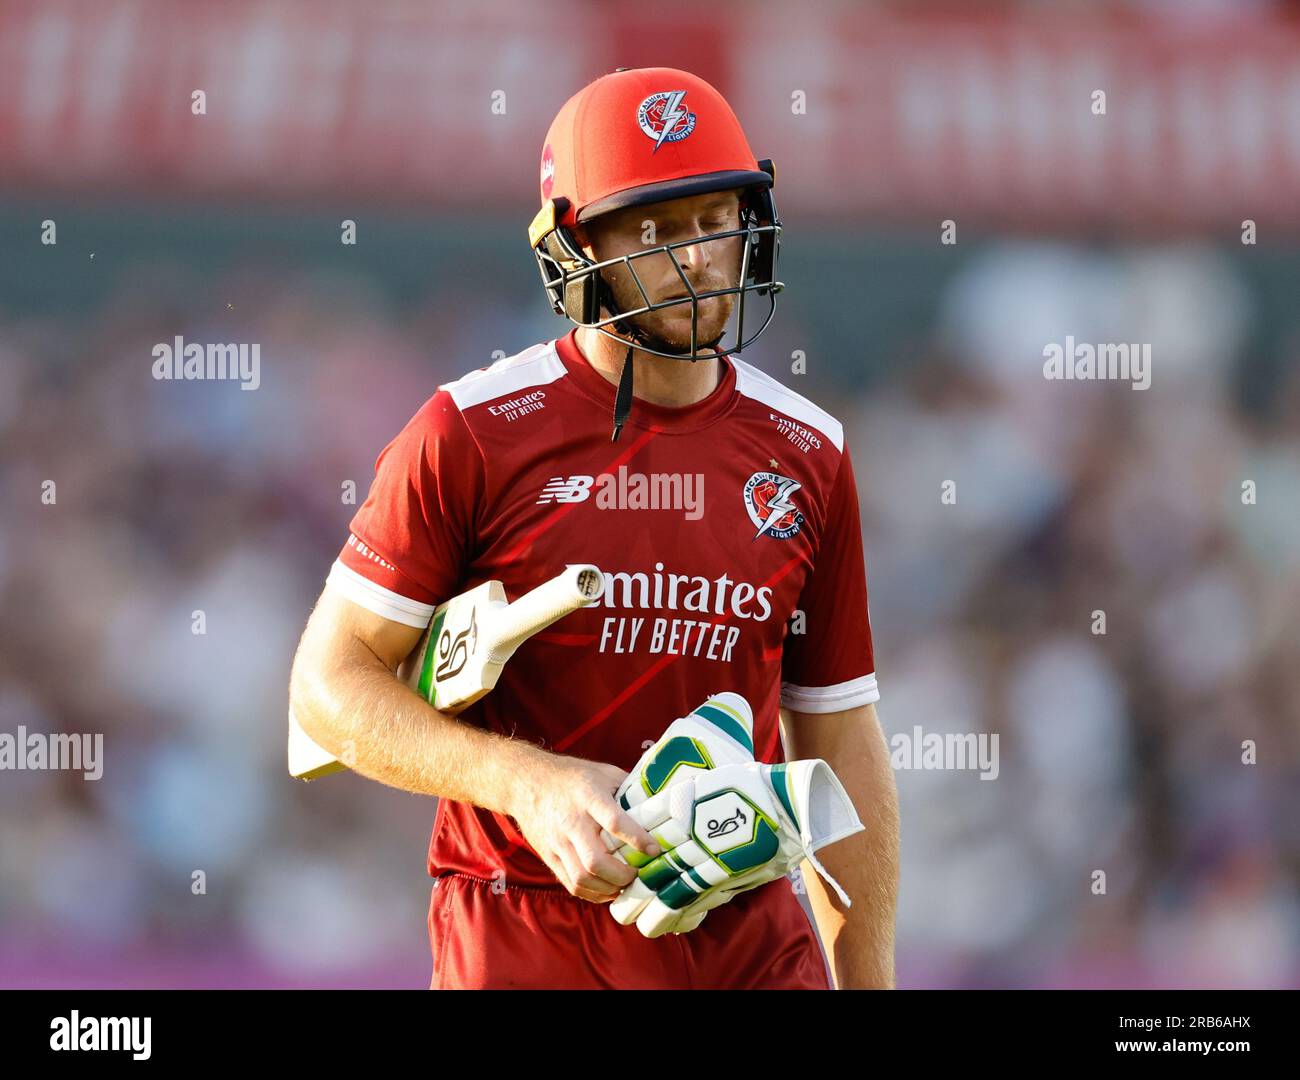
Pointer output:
548, 171
769, 498
664, 118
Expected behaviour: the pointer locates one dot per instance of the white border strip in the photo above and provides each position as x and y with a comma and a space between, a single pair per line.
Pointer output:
375, 598
538, 365
760, 386
825, 699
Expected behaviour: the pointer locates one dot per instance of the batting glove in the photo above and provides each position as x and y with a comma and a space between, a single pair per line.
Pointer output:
727, 830
719, 732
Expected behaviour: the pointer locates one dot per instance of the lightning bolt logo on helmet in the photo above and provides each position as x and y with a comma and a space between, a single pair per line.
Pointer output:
769, 498
548, 170
663, 117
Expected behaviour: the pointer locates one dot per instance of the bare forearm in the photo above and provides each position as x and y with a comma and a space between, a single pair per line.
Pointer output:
382, 729
859, 940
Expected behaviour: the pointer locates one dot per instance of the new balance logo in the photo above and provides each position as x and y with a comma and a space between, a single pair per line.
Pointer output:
567, 489
631, 491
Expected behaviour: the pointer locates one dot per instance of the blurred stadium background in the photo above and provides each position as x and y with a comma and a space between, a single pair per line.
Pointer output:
423, 124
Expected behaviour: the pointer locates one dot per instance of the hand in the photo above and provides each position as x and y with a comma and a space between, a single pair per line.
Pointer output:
561, 807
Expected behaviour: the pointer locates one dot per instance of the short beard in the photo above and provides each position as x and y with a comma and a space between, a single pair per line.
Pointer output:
654, 341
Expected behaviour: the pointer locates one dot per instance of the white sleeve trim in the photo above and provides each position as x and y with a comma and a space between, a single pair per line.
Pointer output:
383, 602
827, 699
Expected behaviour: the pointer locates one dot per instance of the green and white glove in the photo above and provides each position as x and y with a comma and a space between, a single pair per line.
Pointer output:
719, 732
726, 830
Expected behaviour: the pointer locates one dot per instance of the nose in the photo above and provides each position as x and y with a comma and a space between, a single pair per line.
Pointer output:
695, 256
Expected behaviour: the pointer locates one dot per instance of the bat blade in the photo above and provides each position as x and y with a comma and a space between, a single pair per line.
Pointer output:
449, 660
308, 760
461, 655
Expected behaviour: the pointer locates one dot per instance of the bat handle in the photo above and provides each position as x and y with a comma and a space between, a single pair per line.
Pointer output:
578, 586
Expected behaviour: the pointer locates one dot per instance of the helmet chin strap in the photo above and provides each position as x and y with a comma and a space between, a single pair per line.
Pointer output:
623, 399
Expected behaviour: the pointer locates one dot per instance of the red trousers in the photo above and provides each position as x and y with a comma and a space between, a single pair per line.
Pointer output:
541, 938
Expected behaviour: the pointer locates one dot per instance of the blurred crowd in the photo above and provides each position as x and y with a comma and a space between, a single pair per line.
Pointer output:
1084, 507
196, 861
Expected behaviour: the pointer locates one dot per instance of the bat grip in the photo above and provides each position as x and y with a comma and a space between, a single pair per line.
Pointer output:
577, 587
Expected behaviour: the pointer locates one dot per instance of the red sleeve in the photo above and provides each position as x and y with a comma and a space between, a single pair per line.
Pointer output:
411, 537
830, 666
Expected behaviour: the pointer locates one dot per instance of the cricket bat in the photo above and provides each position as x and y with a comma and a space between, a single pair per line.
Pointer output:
460, 656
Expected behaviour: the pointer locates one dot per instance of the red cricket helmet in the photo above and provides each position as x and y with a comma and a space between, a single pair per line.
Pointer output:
639, 136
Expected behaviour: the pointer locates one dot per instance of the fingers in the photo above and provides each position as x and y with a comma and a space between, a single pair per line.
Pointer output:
623, 827
579, 877
670, 804
668, 833
557, 867
630, 903
610, 776
576, 878
656, 919
598, 862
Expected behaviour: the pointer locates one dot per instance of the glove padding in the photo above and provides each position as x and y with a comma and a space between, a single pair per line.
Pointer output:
727, 830
719, 732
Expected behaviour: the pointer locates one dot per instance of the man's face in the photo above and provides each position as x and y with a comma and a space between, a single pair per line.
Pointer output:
709, 265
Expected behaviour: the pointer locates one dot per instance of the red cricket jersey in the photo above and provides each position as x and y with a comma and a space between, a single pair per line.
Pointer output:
720, 526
